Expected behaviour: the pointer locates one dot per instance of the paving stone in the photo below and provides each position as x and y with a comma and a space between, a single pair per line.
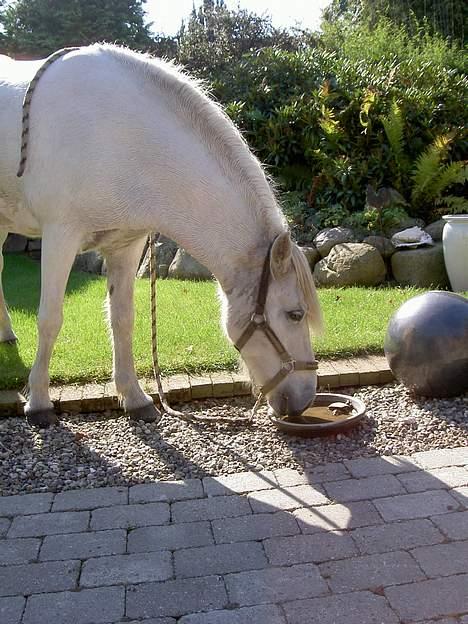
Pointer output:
165, 620
11, 609
374, 466
239, 483
269, 501
363, 489
443, 559
396, 536
439, 478
309, 548
333, 471
15, 551
430, 599
287, 477
125, 569
210, 508
88, 606
371, 571
461, 494
275, 585
355, 608
442, 457
49, 524
418, 505
76, 500
453, 525
34, 578
219, 559
170, 537
24, 504
336, 517
83, 545
129, 516
255, 527
176, 598
261, 614
4, 526
166, 491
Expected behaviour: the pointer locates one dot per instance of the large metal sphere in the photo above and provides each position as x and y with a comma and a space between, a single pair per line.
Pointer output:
427, 344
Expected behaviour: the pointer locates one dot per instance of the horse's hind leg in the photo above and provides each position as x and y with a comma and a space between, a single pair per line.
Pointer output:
122, 265
59, 247
6, 331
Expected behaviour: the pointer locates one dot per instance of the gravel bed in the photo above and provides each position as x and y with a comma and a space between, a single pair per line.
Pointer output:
92, 450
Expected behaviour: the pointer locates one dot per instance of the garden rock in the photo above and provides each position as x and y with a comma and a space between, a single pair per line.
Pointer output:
382, 244
423, 267
351, 264
166, 250
435, 229
185, 267
404, 224
329, 237
89, 262
15, 243
311, 254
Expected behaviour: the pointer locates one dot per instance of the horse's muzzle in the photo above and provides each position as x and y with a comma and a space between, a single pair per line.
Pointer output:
292, 403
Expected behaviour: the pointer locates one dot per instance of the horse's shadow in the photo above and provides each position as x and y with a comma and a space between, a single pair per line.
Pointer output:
290, 536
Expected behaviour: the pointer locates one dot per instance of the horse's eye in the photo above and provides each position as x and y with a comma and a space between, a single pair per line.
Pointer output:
296, 315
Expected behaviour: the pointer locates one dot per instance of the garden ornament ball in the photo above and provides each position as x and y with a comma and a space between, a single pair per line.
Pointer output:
427, 344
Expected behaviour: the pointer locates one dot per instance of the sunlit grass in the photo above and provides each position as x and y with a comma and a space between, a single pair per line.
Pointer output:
190, 337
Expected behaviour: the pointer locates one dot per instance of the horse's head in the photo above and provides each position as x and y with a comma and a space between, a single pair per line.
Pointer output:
268, 321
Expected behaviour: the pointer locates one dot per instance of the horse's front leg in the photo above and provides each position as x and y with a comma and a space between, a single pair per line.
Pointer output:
6, 331
59, 247
122, 265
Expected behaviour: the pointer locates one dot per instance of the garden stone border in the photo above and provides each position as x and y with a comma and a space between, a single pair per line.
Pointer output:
100, 397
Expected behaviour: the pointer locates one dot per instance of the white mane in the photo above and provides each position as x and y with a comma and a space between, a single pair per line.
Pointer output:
188, 99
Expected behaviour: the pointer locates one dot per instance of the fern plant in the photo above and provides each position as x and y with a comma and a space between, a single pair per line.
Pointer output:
430, 175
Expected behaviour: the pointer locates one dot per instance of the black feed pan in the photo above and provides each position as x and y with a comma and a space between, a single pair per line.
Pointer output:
306, 426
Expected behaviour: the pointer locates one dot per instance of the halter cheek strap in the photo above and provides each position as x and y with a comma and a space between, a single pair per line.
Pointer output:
258, 321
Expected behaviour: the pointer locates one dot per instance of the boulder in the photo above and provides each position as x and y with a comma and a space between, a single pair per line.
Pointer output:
435, 229
15, 243
89, 262
382, 244
404, 224
351, 264
185, 267
423, 267
166, 250
34, 244
329, 237
311, 254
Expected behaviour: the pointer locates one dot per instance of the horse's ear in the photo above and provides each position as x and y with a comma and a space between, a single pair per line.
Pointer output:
281, 253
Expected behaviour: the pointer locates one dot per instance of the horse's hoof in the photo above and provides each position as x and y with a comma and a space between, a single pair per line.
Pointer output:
42, 418
147, 413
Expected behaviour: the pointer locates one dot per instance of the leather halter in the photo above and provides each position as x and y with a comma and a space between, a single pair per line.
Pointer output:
258, 321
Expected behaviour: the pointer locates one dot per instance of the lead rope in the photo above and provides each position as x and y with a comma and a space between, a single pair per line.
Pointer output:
239, 420
27, 105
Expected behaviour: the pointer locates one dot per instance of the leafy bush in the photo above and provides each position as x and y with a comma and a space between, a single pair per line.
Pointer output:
324, 118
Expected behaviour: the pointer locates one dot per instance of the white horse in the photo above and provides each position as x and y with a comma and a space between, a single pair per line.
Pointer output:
121, 144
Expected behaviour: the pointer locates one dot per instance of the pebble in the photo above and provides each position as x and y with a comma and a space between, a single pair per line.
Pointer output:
93, 450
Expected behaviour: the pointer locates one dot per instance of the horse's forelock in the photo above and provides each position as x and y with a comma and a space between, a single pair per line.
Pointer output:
307, 285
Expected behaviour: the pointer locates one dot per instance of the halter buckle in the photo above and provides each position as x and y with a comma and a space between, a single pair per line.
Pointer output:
258, 319
288, 365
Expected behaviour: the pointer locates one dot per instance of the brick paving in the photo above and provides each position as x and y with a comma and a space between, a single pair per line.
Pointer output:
366, 370
368, 541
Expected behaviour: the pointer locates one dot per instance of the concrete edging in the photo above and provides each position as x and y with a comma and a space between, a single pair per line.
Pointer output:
99, 397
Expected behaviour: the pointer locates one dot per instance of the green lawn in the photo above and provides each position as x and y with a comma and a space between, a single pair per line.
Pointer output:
190, 337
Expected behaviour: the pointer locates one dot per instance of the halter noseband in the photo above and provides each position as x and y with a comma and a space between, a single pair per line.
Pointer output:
259, 321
